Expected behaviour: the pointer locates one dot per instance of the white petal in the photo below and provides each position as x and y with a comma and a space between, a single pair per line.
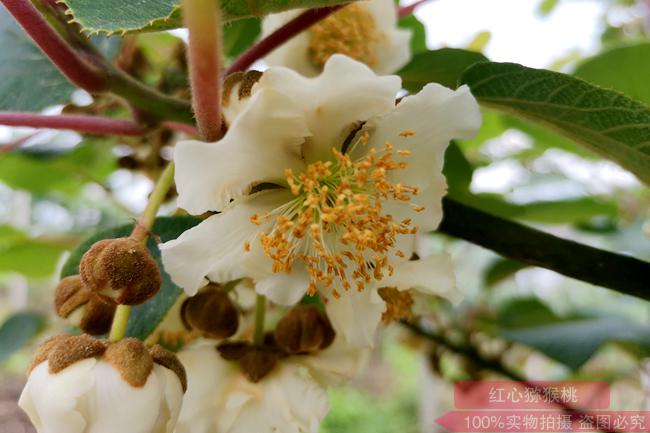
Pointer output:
345, 94
171, 393
432, 275
394, 47
116, 406
339, 362
285, 288
294, 53
261, 143
356, 315
215, 248
208, 378
54, 401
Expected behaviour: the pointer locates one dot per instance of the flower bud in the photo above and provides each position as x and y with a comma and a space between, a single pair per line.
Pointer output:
82, 308
305, 329
212, 313
257, 363
120, 271
80, 383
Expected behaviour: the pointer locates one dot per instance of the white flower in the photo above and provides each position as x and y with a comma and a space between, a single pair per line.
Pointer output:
365, 30
347, 178
221, 400
91, 396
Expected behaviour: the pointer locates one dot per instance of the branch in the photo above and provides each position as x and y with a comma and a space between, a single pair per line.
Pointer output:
69, 62
618, 272
280, 36
203, 21
80, 123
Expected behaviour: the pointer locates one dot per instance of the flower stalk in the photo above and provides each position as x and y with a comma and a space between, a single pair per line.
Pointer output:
203, 21
260, 313
280, 36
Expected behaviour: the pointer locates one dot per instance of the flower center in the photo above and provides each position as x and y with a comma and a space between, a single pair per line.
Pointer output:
350, 31
335, 224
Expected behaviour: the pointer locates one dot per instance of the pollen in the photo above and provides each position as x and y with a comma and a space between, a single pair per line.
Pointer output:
336, 224
350, 31
247, 246
407, 133
398, 304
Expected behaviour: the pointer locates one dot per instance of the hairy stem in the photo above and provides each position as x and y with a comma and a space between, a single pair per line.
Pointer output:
203, 21
618, 272
260, 312
77, 69
280, 36
157, 197
80, 123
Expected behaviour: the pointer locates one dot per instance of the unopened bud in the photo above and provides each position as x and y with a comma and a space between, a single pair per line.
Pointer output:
114, 377
120, 271
234, 350
212, 313
305, 329
257, 363
83, 308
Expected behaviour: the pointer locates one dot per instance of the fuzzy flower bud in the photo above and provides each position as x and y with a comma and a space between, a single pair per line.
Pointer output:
305, 329
81, 384
212, 313
82, 308
121, 271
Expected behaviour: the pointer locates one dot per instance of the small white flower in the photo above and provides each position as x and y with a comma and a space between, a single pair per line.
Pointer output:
92, 395
221, 400
322, 184
365, 30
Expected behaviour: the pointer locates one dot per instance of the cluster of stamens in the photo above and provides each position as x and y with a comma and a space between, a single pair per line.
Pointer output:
335, 224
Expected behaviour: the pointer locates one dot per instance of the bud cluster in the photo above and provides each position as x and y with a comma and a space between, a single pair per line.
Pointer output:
211, 313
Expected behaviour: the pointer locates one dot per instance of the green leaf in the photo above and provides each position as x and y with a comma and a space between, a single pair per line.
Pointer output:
43, 173
604, 121
444, 66
31, 257
17, 331
240, 35
547, 6
28, 80
146, 317
501, 269
520, 313
573, 343
124, 16
632, 66
418, 33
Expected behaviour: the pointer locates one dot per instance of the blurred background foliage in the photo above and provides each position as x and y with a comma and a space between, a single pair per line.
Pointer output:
57, 188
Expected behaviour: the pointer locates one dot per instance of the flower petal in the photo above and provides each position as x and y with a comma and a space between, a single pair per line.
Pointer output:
285, 288
425, 124
432, 275
171, 391
293, 54
356, 315
262, 142
334, 103
393, 49
339, 362
215, 248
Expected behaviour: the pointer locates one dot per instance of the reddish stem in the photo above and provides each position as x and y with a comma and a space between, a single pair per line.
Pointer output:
55, 47
181, 127
408, 10
80, 123
15, 144
203, 21
280, 36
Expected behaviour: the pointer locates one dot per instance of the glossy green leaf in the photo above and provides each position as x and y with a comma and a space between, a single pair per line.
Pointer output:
17, 331
240, 35
119, 16
443, 66
28, 80
604, 121
573, 343
624, 69
146, 317
520, 313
